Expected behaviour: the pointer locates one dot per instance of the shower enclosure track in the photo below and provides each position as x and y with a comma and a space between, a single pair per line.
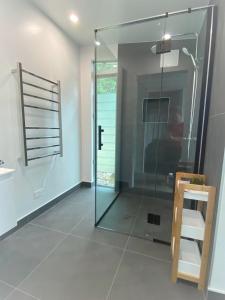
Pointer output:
165, 15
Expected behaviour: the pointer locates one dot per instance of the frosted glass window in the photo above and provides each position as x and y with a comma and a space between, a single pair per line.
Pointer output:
170, 59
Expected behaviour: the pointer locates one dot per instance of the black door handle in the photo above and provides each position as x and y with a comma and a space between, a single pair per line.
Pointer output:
100, 144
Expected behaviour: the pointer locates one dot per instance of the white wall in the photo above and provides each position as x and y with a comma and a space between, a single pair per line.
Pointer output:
87, 110
31, 38
217, 279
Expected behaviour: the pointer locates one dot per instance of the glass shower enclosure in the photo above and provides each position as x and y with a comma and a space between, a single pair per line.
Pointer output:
152, 81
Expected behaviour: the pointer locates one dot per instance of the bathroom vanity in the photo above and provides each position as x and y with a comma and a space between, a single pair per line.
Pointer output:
7, 207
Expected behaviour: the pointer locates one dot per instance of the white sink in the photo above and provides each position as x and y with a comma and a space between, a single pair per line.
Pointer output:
5, 171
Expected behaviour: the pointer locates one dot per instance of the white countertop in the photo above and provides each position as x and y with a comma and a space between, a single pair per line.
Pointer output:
5, 171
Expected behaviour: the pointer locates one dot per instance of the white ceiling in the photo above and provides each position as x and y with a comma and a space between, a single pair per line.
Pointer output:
100, 13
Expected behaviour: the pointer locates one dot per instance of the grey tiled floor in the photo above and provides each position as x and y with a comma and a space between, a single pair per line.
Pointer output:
61, 256
128, 214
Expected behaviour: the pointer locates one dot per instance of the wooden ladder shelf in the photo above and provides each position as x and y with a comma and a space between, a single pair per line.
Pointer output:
191, 232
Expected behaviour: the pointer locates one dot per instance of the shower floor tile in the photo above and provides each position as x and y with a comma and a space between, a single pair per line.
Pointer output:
129, 215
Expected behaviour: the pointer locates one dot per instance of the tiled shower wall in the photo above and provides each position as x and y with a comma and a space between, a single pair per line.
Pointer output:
216, 127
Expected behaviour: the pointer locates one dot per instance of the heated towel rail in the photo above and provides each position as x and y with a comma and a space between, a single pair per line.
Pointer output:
37, 95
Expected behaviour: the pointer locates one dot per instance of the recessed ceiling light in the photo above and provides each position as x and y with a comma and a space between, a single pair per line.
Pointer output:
74, 18
166, 37
97, 43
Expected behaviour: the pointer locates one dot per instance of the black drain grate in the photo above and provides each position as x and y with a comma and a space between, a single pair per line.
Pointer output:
154, 219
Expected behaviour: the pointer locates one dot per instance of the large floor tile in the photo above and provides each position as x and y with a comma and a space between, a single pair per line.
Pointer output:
142, 228
143, 278
4, 290
78, 269
17, 295
145, 247
122, 214
118, 223
129, 214
81, 195
64, 216
23, 251
87, 229
215, 296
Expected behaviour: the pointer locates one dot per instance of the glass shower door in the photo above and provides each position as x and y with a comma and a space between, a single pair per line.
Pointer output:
132, 62
106, 114
157, 119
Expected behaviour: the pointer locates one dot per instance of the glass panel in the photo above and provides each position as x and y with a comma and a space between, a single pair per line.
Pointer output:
181, 83
121, 159
149, 108
106, 87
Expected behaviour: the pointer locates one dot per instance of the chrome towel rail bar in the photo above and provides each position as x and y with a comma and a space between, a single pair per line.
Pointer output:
39, 77
43, 147
42, 138
42, 108
41, 98
36, 127
25, 97
39, 87
42, 156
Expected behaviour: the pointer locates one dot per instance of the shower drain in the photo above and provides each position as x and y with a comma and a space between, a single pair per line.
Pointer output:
153, 219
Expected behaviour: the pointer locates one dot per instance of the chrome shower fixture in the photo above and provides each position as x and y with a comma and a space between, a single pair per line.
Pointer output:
153, 49
187, 53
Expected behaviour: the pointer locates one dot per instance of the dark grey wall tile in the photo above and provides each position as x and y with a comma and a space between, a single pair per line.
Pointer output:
215, 150
218, 88
216, 133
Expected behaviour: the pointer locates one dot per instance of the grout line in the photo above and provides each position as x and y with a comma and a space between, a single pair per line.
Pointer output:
148, 256
44, 259
103, 243
117, 269
8, 284
14, 288
48, 228
94, 241
25, 293
78, 236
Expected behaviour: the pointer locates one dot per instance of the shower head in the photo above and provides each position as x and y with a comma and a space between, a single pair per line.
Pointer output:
186, 52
